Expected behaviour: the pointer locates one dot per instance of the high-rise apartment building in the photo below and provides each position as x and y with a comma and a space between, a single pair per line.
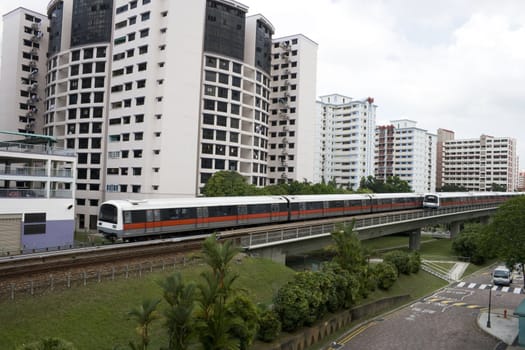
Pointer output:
442, 136
155, 100
293, 109
483, 164
77, 86
408, 152
24, 48
345, 135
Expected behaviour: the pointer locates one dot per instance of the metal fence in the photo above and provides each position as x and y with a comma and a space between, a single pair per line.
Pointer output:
42, 285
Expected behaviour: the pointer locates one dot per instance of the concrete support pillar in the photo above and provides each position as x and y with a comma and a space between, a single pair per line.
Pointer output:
454, 229
274, 253
414, 243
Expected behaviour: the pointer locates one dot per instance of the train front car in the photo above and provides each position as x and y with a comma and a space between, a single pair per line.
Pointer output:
431, 200
110, 220
164, 217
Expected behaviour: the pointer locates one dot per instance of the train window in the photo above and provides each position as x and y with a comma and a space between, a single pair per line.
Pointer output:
335, 204
134, 216
108, 213
258, 208
314, 205
294, 206
283, 207
226, 210
177, 213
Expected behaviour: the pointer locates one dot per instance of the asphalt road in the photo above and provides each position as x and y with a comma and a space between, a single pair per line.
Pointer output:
444, 320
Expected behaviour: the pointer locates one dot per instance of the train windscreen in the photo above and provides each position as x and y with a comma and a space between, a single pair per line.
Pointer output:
108, 213
431, 199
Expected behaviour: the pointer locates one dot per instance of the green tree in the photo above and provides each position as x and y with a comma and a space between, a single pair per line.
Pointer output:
318, 286
452, 188
215, 322
386, 275
470, 243
179, 319
505, 235
227, 183
291, 304
244, 309
145, 314
494, 187
415, 262
49, 343
399, 259
345, 287
269, 325
393, 184
349, 253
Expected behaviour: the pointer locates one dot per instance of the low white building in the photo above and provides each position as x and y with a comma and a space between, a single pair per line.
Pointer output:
37, 187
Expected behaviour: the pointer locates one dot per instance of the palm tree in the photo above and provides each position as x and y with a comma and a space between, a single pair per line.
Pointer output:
215, 322
145, 314
179, 316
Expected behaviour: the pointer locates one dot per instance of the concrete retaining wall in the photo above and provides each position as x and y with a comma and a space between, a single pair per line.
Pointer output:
308, 336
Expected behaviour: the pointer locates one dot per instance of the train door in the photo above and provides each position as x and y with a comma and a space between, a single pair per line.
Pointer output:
302, 210
275, 213
242, 213
152, 220
202, 218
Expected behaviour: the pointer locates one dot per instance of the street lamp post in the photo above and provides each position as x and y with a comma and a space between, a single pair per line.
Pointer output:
490, 299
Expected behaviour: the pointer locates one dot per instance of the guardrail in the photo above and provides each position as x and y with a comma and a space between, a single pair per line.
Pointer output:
308, 230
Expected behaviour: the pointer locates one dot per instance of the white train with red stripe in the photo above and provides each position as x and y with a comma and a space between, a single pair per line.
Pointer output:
136, 219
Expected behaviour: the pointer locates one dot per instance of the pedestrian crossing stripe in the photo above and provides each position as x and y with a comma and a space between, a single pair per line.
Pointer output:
514, 290
454, 303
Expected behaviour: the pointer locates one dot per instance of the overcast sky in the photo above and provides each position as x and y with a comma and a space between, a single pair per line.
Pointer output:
458, 65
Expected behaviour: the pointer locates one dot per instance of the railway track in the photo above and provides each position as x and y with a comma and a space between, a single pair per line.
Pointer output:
27, 266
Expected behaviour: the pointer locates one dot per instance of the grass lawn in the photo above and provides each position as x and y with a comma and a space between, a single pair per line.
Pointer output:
95, 316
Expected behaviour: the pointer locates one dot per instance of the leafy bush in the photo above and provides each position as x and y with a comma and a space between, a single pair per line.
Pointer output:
470, 243
399, 259
386, 275
269, 326
415, 262
291, 304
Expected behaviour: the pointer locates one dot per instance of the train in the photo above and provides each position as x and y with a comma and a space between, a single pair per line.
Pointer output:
132, 220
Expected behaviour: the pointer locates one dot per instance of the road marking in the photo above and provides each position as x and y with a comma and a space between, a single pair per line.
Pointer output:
450, 302
356, 332
461, 284
505, 289
471, 285
517, 291
482, 286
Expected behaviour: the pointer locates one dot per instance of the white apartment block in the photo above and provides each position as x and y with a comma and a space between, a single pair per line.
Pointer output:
76, 101
345, 131
477, 164
155, 100
408, 152
293, 110
24, 48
